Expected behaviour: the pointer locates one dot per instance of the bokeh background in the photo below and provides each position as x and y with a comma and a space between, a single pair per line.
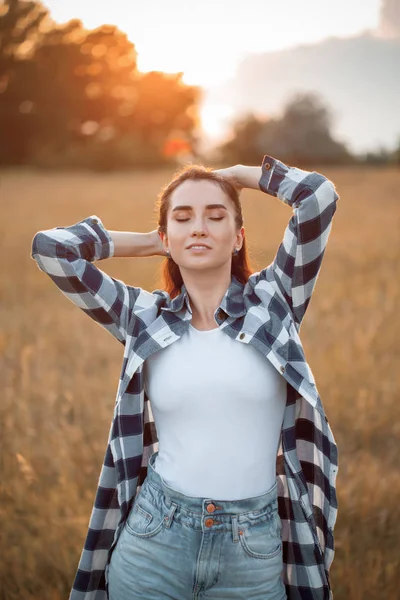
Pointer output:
99, 104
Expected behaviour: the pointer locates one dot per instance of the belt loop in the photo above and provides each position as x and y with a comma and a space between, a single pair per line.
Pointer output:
235, 533
168, 519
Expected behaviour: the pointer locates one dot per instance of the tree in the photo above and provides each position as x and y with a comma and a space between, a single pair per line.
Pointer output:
80, 76
76, 95
21, 26
301, 136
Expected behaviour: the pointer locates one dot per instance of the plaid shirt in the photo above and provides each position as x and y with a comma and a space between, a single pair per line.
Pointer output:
266, 312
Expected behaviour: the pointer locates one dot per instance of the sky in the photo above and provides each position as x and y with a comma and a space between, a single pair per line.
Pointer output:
206, 39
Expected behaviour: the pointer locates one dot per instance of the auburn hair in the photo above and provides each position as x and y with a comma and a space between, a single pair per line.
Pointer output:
171, 278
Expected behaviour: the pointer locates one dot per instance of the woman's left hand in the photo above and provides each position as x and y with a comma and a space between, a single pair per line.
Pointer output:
232, 175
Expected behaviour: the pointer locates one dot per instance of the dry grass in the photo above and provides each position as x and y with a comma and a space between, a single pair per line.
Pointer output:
59, 370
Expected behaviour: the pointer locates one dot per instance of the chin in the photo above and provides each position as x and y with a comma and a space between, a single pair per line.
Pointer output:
201, 265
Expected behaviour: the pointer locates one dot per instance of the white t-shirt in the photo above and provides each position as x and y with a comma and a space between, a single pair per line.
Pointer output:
218, 409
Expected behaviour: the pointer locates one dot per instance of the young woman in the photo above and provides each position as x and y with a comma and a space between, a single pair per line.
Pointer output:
219, 476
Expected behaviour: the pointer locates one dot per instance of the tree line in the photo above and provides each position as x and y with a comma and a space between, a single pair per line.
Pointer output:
75, 97
77, 94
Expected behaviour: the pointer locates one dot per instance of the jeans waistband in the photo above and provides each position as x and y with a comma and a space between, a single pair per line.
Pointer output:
266, 502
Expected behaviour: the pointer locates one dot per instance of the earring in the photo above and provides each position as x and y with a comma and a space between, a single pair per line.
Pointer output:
235, 252
168, 253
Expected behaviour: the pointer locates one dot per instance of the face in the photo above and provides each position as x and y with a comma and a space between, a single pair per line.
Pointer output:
200, 212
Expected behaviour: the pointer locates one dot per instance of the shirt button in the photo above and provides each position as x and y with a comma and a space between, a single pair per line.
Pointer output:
210, 508
282, 369
95, 221
267, 166
209, 522
242, 336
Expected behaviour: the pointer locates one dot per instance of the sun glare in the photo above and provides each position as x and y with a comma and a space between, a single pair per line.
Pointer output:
203, 69
215, 118
199, 68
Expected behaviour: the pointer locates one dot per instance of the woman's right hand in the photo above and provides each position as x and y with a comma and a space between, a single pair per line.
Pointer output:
156, 243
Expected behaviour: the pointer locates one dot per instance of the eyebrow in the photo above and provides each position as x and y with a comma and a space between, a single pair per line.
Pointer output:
187, 207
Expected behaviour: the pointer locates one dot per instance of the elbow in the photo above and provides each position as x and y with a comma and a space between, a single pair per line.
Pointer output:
333, 191
329, 196
38, 244
335, 197
45, 245
326, 187
48, 245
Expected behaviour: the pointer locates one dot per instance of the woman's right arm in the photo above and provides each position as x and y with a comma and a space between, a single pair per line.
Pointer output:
67, 254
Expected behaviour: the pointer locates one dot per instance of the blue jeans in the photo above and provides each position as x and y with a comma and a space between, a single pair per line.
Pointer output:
179, 547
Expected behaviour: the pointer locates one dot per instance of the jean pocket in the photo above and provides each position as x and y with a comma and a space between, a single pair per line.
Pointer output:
145, 519
262, 540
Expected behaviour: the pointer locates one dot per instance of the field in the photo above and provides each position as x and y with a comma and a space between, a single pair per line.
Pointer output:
59, 370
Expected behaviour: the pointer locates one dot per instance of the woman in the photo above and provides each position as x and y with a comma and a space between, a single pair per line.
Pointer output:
233, 496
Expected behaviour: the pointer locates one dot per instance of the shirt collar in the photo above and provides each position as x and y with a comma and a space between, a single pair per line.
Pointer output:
232, 303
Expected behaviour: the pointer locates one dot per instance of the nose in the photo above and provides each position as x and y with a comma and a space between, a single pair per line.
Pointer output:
199, 229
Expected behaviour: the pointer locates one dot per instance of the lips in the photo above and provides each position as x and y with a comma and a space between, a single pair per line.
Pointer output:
198, 245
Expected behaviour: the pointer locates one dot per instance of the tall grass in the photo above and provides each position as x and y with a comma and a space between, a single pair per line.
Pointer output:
59, 370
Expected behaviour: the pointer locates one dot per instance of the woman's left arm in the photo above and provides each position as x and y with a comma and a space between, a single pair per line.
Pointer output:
313, 199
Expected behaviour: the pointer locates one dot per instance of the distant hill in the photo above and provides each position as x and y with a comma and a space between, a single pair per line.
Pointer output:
357, 77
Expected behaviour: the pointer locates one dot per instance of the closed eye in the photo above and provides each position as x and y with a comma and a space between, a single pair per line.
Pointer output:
212, 219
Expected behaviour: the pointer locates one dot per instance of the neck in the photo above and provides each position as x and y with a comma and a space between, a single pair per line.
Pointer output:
205, 290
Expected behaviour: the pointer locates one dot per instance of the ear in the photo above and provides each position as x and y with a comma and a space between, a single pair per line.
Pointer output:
164, 239
240, 237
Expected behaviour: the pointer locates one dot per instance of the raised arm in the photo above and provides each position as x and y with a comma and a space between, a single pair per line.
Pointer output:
313, 199
67, 254
298, 260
